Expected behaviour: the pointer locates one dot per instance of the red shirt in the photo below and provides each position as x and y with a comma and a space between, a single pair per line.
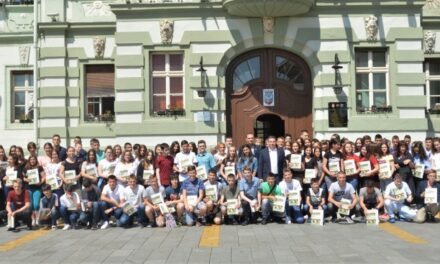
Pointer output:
18, 201
165, 166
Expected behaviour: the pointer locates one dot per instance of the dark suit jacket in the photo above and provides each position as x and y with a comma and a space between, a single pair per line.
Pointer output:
264, 164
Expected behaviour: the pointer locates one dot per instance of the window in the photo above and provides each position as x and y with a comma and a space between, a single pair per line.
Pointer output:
22, 96
289, 71
371, 79
100, 92
432, 71
167, 81
246, 71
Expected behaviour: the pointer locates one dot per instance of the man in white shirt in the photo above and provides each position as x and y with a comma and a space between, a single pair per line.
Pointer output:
110, 200
132, 194
184, 159
395, 195
271, 159
70, 208
287, 185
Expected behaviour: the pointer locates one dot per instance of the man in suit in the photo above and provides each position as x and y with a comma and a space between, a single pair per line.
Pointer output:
271, 159
250, 140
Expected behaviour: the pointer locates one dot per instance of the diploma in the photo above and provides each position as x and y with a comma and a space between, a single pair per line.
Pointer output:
344, 209
201, 173
279, 204
431, 196
294, 198
309, 174
147, 175
317, 217
350, 167
333, 166
124, 174
33, 177
12, 176
69, 176
52, 181
384, 170
295, 161
365, 167
419, 171
211, 193
156, 198
191, 200
372, 217
128, 209
229, 170
91, 170
231, 207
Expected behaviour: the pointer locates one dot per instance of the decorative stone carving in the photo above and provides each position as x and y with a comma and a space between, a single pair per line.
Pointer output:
371, 28
97, 9
431, 4
166, 31
23, 52
268, 24
429, 42
99, 47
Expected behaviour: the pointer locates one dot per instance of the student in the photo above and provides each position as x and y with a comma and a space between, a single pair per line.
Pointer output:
18, 206
125, 168
298, 174
220, 154
95, 145
146, 164
47, 156
333, 156
164, 166
70, 207
317, 154
370, 197
271, 159
435, 156
174, 199
34, 189
337, 191
385, 156
70, 165
54, 168
367, 155
117, 149
90, 163
250, 196
132, 194
292, 212
91, 211
431, 208
56, 142
106, 167
110, 203
229, 161
395, 196
247, 159
213, 212
193, 192
231, 191
404, 163
183, 160
50, 203
154, 215
348, 154
174, 148
420, 158
428, 147
315, 198
203, 157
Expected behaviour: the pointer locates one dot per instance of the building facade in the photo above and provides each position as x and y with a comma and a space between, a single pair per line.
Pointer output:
154, 71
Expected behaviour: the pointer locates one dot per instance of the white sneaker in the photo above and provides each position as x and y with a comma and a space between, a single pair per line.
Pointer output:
104, 225
67, 227
349, 220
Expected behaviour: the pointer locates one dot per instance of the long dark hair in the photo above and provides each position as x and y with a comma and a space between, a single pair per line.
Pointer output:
242, 158
88, 156
422, 152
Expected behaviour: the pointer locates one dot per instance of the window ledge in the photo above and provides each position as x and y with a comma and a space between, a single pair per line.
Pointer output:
433, 111
20, 126
374, 110
169, 113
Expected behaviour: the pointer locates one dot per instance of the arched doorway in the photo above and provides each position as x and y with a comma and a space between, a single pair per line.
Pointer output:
269, 125
271, 85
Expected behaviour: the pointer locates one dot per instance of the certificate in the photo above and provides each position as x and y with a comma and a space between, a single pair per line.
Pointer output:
184, 163
111, 169
419, 171
33, 177
372, 217
12, 176
201, 173
365, 167
128, 209
333, 166
124, 174
163, 208
294, 198
191, 200
317, 217
295, 161
156, 198
279, 204
431, 196
350, 167
384, 170
344, 209
147, 175
3, 165
44, 214
399, 194
309, 174
229, 170
231, 207
91, 170
69, 176
52, 181
211, 193
437, 175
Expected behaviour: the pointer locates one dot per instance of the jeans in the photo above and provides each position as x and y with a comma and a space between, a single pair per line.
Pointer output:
70, 217
52, 220
116, 212
403, 210
247, 212
384, 183
353, 181
126, 220
92, 215
191, 218
333, 209
294, 211
329, 180
24, 216
266, 208
35, 195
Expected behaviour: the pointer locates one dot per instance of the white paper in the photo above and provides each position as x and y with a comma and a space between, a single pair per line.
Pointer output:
309, 174
317, 217
279, 204
294, 198
431, 196
399, 194
229, 170
201, 173
350, 167
192, 200
184, 163
12, 176
365, 167
128, 209
344, 209
124, 174
232, 207
33, 177
419, 171
333, 166
295, 161
211, 193
372, 217
69, 176
52, 181
384, 170
163, 208
3, 165
91, 170
156, 198
147, 174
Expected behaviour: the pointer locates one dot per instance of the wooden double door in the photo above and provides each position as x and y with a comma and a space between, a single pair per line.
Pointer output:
269, 92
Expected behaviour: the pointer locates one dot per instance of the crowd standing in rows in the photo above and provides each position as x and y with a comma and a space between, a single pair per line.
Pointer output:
282, 179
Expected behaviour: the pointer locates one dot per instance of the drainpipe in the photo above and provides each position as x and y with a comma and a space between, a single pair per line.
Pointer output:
35, 70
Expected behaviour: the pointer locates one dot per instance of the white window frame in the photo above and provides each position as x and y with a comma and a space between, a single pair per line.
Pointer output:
428, 79
370, 70
28, 89
167, 74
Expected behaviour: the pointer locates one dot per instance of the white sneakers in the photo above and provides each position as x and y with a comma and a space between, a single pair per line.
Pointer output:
104, 225
67, 227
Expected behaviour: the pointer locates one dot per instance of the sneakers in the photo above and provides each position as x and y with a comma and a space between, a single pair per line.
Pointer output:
95, 227
54, 227
392, 220
150, 225
264, 221
11, 229
105, 225
288, 221
67, 227
349, 220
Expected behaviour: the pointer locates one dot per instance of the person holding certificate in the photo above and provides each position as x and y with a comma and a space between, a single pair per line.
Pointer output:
396, 194
230, 162
174, 199
250, 196
213, 189
287, 188
230, 201
146, 169
369, 167
70, 207
247, 159
33, 177
331, 162
49, 208
124, 168
350, 165
338, 191
315, 198
386, 165
370, 198
193, 191
164, 166
421, 162
18, 206
183, 160
404, 163
13, 171
203, 157
435, 157
90, 205
428, 192
89, 168
106, 167
71, 167
295, 162
268, 192
154, 195
110, 203
131, 200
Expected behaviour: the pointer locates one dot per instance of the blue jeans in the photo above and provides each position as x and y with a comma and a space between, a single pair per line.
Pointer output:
54, 215
92, 215
126, 220
70, 217
266, 209
294, 212
104, 206
353, 181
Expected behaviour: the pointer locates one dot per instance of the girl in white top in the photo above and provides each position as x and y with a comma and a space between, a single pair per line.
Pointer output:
118, 152
89, 168
435, 156
107, 166
54, 168
47, 157
124, 168
140, 155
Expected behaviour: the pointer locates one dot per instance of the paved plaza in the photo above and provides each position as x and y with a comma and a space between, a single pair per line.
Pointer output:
273, 243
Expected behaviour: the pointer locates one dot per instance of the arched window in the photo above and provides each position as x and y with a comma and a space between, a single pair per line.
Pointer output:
288, 71
246, 71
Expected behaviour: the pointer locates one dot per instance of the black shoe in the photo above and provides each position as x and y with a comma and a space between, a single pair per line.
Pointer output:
29, 227
95, 227
264, 221
12, 228
203, 221
245, 223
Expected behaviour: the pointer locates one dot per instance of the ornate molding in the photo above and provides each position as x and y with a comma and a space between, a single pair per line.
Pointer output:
166, 31
99, 47
268, 24
431, 4
429, 42
24, 52
371, 27
97, 9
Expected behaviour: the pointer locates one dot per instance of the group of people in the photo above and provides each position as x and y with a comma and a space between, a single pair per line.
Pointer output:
281, 179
